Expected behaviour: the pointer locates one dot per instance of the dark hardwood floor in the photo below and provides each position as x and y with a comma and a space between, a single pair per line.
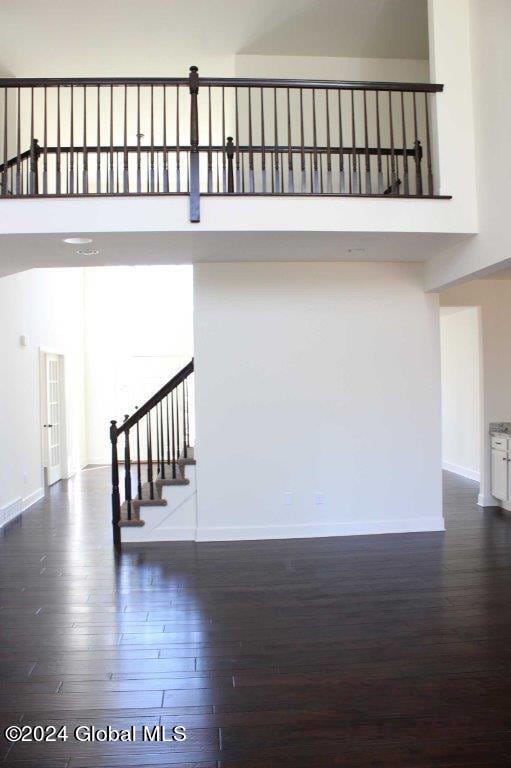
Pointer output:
382, 651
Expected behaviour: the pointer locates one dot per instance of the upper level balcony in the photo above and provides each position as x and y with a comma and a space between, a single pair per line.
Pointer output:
274, 144
199, 136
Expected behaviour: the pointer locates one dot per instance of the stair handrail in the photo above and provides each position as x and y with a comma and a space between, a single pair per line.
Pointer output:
167, 388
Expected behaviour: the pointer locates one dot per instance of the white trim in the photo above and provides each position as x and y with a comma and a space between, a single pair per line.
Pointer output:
32, 498
456, 469
488, 501
369, 527
10, 511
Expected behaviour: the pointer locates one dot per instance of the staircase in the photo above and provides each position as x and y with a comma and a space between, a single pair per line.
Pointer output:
156, 500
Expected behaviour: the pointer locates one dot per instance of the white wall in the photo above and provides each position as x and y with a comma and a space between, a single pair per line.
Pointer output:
493, 297
46, 305
316, 379
138, 333
461, 401
491, 70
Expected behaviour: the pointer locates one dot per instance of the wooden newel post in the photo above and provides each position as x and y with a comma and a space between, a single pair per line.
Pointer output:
35, 151
194, 146
418, 167
229, 151
116, 499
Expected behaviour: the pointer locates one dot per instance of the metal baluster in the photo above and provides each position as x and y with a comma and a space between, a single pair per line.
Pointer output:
393, 176
210, 145
111, 172
278, 184
303, 171
126, 183
32, 171
150, 456
355, 169
237, 131
368, 188
139, 469
158, 455
329, 185
406, 176
381, 183
139, 139
251, 180
58, 155
224, 159
315, 177
342, 173
45, 142
18, 147
162, 442
173, 425
178, 437
178, 166
290, 176
5, 172
151, 151
85, 160
418, 151
168, 428
165, 150
263, 148
185, 446
71, 164
98, 147
116, 499
127, 470
431, 185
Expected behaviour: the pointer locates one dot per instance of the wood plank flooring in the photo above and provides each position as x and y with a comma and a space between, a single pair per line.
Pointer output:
382, 651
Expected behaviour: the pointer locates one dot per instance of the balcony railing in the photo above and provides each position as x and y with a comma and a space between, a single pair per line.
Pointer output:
194, 136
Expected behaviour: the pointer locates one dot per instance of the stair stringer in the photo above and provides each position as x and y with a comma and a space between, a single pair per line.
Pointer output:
177, 521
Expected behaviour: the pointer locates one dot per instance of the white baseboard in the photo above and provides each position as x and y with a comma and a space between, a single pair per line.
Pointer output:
456, 469
32, 499
369, 527
488, 501
10, 511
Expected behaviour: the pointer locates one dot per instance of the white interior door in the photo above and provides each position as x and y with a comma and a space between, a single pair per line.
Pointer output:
53, 424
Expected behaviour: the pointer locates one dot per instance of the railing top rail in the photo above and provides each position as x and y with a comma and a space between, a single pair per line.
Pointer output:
349, 85
39, 82
27, 82
156, 398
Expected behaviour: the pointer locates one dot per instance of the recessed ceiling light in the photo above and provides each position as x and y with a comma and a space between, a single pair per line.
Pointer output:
87, 253
77, 240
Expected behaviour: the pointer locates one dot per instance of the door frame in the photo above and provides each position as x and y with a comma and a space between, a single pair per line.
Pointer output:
43, 352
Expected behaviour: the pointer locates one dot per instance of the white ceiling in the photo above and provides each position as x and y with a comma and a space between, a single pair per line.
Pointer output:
22, 252
148, 37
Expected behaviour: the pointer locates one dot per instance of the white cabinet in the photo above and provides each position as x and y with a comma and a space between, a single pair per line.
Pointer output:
500, 471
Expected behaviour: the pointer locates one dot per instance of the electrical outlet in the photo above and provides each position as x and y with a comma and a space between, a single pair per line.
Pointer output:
288, 498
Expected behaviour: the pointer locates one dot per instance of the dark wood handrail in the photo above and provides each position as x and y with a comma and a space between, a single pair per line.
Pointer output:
167, 388
241, 82
341, 85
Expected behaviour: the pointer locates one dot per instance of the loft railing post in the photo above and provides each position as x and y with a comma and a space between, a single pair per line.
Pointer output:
35, 152
229, 151
418, 167
194, 146
116, 499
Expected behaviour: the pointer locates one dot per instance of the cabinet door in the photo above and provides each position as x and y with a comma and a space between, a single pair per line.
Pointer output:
499, 475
